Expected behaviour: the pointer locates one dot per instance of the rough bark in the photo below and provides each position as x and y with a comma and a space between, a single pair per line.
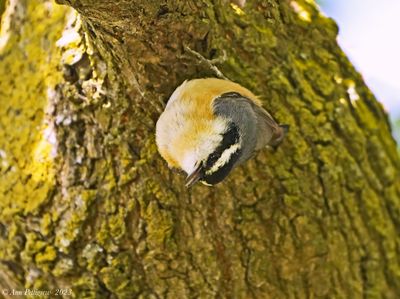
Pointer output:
87, 203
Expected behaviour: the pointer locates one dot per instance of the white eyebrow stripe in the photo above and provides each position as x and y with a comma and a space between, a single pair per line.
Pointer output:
225, 157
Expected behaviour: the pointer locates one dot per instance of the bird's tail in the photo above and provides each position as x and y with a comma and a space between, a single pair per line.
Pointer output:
278, 136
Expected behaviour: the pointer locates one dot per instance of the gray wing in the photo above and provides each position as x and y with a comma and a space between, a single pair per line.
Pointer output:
259, 127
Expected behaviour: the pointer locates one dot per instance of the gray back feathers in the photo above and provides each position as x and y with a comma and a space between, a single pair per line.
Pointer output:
257, 127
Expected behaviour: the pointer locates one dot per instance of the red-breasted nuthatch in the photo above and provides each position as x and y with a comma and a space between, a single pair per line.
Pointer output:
210, 126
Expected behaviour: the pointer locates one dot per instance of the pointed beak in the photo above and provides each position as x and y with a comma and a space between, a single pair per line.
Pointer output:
194, 177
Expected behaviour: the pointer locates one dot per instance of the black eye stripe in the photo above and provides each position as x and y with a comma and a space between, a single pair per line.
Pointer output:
222, 172
230, 137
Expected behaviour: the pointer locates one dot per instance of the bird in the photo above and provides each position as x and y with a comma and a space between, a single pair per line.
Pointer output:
210, 126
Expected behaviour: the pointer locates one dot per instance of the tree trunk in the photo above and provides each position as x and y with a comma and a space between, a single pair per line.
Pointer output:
88, 206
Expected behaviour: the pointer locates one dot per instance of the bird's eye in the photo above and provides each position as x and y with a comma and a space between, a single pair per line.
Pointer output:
211, 159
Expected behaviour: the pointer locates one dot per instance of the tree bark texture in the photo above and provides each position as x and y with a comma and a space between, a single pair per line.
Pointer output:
88, 204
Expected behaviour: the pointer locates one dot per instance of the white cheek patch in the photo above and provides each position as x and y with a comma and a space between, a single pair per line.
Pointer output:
189, 162
206, 144
193, 157
224, 159
219, 125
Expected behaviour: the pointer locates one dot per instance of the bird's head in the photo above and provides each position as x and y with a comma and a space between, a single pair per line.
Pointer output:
214, 157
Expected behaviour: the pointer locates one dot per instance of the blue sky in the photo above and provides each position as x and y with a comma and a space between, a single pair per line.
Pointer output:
369, 33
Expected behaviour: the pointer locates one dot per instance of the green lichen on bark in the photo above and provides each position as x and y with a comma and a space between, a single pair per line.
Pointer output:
316, 218
28, 74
